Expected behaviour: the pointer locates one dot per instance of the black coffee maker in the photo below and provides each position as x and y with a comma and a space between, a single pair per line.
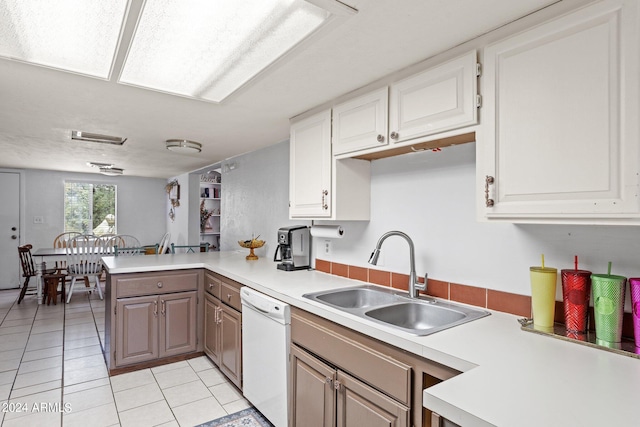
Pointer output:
293, 248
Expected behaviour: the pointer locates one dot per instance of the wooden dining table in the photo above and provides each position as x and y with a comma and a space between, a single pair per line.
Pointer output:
47, 255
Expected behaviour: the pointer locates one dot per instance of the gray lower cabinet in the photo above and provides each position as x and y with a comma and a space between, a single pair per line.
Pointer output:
223, 325
152, 316
341, 378
150, 327
323, 395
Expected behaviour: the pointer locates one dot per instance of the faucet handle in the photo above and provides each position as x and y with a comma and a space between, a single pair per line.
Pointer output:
422, 286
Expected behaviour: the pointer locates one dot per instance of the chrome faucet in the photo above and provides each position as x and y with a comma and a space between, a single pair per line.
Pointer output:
414, 285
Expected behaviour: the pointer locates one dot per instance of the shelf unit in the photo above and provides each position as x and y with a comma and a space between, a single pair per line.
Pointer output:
210, 199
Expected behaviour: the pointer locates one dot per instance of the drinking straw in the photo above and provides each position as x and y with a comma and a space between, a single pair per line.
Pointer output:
542, 260
609, 269
575, 262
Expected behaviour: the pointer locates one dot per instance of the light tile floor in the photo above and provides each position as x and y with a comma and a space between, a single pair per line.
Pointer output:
52, 373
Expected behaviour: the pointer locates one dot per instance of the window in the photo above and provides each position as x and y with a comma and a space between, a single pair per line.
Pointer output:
90, 208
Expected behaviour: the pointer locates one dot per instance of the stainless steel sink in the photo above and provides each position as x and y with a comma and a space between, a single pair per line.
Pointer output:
356, 298
417, 316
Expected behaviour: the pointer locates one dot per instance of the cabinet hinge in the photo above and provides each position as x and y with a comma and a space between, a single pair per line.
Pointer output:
478, 69
478, 101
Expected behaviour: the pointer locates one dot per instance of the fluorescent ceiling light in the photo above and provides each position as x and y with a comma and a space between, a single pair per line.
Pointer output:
80, 36
111, 171
209, 49
183, 146
96, 137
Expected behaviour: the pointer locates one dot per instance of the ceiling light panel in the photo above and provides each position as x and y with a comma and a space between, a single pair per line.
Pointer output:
208, 49
80, 36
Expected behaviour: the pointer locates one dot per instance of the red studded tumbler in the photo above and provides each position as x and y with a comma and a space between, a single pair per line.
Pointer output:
576, 289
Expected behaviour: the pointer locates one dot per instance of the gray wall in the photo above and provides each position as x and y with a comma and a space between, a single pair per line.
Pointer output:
141, 205
255, 198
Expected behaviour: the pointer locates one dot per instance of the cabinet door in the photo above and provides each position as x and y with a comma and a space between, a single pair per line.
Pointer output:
313, 402
561, 119
136, 330
231, 344
359, 404
441, 98
177, 323
211, 330
310, 167
361, 123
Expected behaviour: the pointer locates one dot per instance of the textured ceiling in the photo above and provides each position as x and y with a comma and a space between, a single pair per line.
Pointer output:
40, 106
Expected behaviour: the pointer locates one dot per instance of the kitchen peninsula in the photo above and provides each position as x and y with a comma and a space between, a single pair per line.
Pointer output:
509, 377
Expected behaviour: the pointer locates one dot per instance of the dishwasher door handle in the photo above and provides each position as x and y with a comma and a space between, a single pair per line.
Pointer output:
255, 307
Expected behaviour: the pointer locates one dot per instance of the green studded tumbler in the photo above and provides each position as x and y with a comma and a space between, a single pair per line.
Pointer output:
608, 303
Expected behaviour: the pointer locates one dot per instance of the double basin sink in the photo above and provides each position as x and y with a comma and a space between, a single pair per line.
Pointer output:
417, 316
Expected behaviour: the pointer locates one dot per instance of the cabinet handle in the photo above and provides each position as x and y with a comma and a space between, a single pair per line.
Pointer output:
218, 316
328, 380
155, 308
380, 138
337, 385
162, 311
229, 297
489, 180
210, 285
159, 284
324, 204
394, 135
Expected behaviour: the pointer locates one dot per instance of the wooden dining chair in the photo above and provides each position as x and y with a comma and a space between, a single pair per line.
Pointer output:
190, 248
126, 245
29, 270
60, 242
84, 259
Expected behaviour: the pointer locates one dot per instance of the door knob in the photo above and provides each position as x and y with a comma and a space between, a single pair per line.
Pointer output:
13, 229
14, 237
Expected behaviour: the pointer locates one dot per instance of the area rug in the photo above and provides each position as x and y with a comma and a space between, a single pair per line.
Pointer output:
246, 418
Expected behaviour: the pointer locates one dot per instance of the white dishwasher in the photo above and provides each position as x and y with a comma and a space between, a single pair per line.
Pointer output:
266, 332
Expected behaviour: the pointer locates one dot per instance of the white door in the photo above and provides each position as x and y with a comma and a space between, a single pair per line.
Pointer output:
9, 229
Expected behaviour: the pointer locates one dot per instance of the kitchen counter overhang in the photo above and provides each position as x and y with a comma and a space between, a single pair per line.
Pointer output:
510, 378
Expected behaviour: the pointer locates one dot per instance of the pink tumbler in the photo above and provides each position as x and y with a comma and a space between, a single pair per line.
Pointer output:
634, 285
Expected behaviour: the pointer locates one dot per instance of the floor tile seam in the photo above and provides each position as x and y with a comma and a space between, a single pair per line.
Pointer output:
193, 401
94, 407
24, 349
190, 382
141, 405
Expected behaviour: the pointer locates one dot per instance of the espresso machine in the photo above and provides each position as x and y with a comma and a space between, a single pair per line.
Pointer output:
294, 248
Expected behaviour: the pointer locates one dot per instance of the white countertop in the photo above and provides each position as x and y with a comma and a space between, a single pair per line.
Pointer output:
510, 377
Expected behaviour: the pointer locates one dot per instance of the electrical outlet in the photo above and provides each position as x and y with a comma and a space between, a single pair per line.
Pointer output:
38, 220
327, 247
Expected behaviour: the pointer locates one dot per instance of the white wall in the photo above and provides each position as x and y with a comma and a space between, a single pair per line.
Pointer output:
255, 198
430, 196
140, 205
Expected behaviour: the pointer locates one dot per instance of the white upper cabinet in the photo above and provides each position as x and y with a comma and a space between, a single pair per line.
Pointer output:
438, 99
322, 187
361, 123
560, 126
310, 167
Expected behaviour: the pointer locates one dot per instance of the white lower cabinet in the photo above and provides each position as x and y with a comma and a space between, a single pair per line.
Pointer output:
559, 139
